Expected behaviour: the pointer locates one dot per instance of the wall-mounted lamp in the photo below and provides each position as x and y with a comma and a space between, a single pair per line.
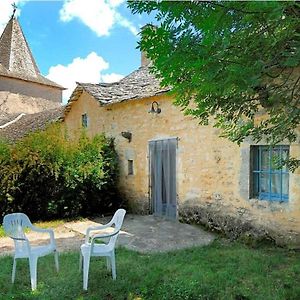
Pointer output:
155, 109
127, 135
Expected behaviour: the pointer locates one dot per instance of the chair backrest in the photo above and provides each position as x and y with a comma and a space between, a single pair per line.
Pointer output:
117, 220
15, 224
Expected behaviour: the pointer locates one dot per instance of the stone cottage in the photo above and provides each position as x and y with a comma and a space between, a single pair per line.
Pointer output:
172, 166
23, 90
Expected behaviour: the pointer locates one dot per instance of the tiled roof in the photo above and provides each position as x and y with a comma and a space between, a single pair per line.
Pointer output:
16, 59
5, 117
12, 104
137, 85
30, 123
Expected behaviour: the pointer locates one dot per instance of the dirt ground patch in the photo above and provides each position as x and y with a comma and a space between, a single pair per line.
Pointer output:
140, 233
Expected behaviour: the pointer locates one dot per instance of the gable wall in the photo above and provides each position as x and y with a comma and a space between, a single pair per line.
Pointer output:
30, 89
212, 173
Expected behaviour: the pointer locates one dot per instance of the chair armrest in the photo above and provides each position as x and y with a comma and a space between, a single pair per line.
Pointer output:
45, 230
93, 228
105, 235
38, 229
99, 227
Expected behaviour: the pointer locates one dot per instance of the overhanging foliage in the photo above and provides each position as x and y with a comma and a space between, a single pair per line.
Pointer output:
233, 64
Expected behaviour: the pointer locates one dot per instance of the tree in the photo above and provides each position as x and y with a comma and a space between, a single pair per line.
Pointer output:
235, 65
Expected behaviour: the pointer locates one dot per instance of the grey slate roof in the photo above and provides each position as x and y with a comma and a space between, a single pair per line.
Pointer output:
11, 105
137, 85
16, 59
30, 123
5, 117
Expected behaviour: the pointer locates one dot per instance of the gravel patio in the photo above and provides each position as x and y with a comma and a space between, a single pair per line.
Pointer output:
146, 234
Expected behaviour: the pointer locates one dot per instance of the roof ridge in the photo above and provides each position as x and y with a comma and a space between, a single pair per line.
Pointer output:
139, 84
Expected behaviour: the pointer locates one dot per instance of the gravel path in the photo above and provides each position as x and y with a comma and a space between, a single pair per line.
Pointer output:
140, 233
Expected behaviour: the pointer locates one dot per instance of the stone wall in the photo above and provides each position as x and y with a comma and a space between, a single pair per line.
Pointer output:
30, 89
212, 173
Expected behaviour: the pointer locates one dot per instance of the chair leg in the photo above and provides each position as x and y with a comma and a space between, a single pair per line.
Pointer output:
113, 265
108, 263
13, 276
86, 266
56, 260
33, 271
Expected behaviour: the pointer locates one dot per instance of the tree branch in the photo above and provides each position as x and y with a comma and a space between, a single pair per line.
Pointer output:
238, 10
293, 90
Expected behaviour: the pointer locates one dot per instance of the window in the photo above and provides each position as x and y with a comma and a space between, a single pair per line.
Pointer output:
269, 182
130, 167
84, 120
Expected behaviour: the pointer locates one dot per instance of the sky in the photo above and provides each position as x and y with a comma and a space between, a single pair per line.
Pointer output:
79, 40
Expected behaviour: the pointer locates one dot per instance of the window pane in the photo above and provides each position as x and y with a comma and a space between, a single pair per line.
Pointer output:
255, 187
285, 156
255, 158
285, 184
264, 182
276, 184
265, 159
275, 159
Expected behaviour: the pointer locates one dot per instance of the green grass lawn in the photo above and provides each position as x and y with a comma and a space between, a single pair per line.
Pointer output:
219, 271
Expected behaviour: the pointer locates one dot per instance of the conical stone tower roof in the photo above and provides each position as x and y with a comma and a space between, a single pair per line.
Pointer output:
16, 59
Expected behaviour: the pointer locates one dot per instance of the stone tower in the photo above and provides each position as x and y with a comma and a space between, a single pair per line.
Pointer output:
22, 87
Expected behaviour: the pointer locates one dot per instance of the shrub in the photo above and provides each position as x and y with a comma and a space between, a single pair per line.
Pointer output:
48, 176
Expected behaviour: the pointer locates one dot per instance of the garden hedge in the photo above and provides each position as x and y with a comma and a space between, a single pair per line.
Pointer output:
46, 175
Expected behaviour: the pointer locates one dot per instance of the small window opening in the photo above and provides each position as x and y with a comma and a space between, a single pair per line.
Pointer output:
84, 120
130, 167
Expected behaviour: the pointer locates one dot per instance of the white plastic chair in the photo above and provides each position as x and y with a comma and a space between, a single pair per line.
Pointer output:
14, 226
90, 248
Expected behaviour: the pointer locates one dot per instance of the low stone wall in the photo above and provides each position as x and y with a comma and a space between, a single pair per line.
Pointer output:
236, 224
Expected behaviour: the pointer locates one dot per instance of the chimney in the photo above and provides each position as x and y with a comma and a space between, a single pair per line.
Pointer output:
145, 61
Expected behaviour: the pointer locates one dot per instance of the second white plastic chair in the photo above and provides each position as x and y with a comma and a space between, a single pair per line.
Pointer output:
90, 248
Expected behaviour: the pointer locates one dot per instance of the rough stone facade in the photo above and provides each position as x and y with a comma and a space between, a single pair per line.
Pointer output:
31, 89
213, 185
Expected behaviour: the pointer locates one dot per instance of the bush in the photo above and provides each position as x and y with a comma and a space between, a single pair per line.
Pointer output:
46, 176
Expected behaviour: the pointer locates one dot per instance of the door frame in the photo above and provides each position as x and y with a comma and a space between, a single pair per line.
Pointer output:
151, 206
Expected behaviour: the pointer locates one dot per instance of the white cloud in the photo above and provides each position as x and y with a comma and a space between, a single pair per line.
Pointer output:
112, 77
6, 11
127, 24
99, 15
89, 69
